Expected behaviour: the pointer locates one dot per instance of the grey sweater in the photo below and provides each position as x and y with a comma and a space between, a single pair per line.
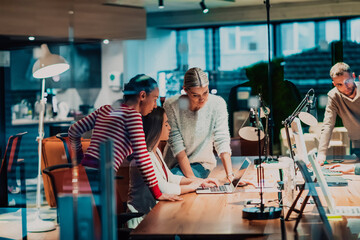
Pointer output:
348, 110
197, 132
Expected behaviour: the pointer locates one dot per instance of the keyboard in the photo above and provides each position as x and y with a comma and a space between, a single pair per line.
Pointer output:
222, 188
347, 211
330, 172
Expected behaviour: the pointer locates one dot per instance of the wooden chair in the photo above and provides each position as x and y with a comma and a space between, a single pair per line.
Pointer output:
8, 171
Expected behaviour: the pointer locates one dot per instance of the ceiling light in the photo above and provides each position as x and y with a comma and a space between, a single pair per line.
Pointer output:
161, 4
203, 7
31, 38
106, 41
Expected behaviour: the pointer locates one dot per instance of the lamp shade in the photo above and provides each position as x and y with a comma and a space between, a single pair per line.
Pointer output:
249, 129
49, 65
264, 111
308, 114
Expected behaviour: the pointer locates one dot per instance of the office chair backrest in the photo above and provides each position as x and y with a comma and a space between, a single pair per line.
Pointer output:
55, 153
8, 166
242, 147
61, 182
122, 187
67, 146
61, 179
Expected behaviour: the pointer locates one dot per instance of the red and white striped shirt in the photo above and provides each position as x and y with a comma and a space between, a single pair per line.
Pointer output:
124, 126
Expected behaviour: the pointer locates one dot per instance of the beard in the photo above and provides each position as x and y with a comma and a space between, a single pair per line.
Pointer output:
350, 93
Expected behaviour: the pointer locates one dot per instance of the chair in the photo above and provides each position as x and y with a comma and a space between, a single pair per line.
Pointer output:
61, 182
56, 152
64, 138
242, 147
339, 143
8, 171
61, 177
311, 141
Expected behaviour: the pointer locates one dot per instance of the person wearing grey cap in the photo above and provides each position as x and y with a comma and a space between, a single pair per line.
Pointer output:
199, 122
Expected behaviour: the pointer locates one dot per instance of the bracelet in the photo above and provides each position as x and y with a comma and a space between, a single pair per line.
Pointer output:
231, 174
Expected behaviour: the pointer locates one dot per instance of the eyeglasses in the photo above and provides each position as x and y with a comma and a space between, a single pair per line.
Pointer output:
346, 81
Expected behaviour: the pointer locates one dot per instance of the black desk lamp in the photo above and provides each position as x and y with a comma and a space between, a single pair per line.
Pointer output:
252, 130
306, 111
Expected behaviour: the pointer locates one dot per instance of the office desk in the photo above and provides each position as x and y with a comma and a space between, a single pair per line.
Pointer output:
219, 216
209, 214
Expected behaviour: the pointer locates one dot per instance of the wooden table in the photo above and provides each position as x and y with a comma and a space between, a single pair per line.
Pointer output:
219, 216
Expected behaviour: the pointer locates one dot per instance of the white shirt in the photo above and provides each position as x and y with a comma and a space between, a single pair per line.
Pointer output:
140, 198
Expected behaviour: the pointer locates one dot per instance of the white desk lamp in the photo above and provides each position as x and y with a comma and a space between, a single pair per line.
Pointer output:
48, 65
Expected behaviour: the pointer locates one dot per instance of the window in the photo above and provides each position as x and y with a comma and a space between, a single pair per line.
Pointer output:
296, 37
242, 46
196, 47
332, 30
354, 25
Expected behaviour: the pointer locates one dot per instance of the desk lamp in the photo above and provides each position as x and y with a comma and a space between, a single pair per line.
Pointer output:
252, 130
48, 65
306, 111
264, 113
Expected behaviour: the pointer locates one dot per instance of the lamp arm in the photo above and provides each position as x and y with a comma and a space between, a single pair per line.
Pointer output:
296, 112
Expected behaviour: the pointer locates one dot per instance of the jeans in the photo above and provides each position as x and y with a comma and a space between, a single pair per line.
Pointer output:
197, 168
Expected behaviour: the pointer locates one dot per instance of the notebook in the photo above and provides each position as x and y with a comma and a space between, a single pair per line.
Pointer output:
228, 187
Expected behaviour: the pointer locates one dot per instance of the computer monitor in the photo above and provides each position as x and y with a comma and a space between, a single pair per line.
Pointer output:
302, 154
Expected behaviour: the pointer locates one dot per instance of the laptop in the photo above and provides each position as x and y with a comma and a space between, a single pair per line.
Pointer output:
310, 184
332, 178
228, 187
333, 209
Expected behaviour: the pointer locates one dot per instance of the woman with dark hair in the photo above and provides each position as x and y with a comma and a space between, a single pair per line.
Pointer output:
122, 124
157, 128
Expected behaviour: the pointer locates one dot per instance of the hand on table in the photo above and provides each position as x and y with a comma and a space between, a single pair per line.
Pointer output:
169, 197
210, 182
245, 183
321, 159
230, 177
344, 168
